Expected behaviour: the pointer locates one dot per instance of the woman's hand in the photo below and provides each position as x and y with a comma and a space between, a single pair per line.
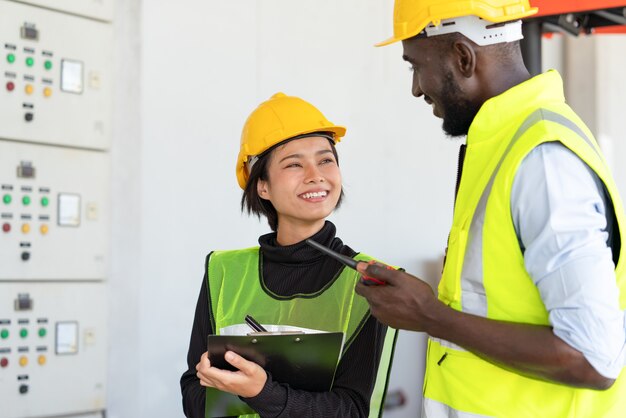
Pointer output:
246, 382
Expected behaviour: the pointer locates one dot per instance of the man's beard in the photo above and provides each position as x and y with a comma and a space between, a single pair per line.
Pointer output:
459, 112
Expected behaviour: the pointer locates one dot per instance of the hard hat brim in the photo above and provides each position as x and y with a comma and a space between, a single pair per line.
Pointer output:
338, 131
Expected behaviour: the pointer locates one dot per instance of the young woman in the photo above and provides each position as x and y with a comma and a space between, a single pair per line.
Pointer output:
288, 168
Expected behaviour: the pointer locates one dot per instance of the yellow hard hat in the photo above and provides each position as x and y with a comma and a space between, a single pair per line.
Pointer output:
410, 17
275, 120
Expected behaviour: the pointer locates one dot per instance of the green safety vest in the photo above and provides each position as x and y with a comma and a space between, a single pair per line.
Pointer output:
537, 114
235, 289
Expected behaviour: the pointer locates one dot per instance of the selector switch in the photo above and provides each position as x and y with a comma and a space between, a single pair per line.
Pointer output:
23, 389
23, 302
25, 256
28, 116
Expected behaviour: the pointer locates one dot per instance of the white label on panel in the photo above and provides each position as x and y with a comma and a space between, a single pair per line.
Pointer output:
67, 338
69, 209
72, 76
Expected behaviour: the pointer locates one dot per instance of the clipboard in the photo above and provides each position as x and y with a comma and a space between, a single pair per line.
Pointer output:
304, 361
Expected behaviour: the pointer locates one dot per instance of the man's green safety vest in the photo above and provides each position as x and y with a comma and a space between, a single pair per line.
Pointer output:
506, 129
236, 290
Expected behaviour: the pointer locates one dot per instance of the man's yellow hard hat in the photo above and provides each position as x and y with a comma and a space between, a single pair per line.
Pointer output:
410, 17
276, 120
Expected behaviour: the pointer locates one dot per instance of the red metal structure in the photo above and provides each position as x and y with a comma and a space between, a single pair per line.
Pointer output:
575, 17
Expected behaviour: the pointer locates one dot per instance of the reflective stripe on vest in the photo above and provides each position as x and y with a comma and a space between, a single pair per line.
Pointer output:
498, 287
473, 290
235, 289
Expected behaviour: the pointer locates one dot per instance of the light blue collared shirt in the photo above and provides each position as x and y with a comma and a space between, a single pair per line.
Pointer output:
560, 212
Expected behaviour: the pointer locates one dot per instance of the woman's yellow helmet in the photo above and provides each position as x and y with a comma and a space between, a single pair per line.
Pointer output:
276, 120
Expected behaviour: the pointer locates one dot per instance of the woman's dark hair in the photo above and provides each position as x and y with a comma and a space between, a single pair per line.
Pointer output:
252, 203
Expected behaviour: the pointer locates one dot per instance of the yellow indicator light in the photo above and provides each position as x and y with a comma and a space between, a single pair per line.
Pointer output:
41, 360
47, 92
29, 89
23, 361
43, 229
26, 228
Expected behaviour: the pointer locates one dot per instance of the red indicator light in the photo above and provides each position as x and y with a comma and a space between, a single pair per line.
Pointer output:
10, 86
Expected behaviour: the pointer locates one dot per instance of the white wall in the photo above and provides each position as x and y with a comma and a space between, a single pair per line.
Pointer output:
189, 73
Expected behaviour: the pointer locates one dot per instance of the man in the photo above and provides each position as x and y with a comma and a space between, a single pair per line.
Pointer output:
530, 315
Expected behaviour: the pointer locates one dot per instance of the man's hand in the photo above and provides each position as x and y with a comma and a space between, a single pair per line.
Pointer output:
246, 382
406, 302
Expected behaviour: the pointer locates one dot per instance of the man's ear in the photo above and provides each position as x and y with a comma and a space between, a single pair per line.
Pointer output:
261, 189
464, 58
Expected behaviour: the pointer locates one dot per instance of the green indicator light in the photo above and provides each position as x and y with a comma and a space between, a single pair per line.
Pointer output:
10, 58
30, 61
6, 199
45, 201
42, 332
23, 333
47, 65
4, 334
26, 200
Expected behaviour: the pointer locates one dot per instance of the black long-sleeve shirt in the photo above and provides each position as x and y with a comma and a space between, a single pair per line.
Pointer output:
288, 270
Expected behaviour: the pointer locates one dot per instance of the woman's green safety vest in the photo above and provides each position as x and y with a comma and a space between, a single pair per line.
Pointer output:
457, 378
235, 290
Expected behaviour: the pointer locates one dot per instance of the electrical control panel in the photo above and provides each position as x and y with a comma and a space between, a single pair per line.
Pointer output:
56, 77
52, 346
55, 134
53, 213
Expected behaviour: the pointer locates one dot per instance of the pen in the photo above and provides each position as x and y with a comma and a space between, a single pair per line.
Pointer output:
252, 323
345, 260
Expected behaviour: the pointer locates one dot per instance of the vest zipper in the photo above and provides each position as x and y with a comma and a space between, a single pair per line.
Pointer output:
459, 169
